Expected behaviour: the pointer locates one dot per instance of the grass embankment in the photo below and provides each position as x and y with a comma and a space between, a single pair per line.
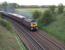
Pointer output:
6, 24
8, 39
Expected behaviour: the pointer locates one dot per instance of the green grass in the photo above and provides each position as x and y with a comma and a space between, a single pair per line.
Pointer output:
9, 41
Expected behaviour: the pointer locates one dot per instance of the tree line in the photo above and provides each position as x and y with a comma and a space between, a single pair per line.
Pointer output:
8, 6
48, 16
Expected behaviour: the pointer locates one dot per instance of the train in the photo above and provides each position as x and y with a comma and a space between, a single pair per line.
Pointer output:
30, 24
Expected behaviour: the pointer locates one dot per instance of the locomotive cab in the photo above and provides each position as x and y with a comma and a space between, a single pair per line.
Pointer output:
34, 25
30, 24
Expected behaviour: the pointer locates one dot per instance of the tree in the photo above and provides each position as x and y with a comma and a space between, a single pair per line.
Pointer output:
60, 8
0, 7
4, 6
52, 8
47, 17
15, 5
36, 14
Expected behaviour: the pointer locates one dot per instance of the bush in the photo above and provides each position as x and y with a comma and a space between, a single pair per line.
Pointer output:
52, 9
1, 16
36, 14
60, 8
47, 17
6, 24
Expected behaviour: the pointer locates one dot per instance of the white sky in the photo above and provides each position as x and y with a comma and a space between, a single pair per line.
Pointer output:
36, 2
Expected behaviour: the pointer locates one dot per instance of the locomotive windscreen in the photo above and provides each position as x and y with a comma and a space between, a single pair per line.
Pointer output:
33, 21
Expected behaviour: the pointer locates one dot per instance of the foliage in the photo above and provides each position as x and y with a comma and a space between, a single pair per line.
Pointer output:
60, 8
36, 14
52, 8
47, 17
6, 24
4, 4
9, 7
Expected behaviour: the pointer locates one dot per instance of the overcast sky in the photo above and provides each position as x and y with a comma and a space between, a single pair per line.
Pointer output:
36, 2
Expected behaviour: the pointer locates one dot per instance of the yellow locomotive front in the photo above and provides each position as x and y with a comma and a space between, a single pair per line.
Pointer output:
34, 25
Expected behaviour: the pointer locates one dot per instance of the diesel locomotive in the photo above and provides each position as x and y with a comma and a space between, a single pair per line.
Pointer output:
28, 23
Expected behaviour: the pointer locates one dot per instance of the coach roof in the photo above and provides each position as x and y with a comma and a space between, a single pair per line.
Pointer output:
17, 15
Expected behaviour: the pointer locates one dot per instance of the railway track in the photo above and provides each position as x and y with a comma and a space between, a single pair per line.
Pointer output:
23, 35
52, 40
33, 45
45, 41
37, 40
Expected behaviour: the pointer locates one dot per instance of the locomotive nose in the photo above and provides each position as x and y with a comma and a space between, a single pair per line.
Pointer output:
34, 25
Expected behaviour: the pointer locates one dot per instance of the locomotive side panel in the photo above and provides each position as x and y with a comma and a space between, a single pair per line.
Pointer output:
27, 24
